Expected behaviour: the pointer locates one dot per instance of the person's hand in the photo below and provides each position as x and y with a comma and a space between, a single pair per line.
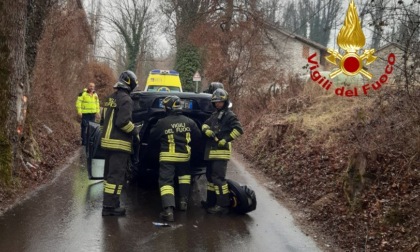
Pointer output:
97, 117
209, 133
221, 143
80, 115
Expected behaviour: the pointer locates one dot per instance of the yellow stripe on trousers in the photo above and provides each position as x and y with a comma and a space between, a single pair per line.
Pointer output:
186, 179
167, 189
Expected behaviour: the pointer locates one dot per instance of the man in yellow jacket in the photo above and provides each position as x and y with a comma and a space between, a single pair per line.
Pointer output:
87, 106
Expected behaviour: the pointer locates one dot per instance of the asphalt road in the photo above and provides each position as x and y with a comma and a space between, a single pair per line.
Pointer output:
66, 216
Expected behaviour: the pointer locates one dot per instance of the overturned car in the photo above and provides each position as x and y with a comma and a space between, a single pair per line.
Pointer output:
147, 110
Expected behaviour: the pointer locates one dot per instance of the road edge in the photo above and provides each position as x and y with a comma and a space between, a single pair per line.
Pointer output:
29, 192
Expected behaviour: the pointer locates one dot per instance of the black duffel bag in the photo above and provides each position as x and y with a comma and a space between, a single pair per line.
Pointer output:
242, 198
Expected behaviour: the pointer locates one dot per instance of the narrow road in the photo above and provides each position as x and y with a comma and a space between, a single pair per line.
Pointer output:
66, 216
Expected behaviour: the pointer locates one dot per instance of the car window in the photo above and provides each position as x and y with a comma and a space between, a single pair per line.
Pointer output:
162, 89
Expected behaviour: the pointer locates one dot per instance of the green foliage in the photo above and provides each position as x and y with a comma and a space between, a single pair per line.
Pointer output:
5, 148
188, 61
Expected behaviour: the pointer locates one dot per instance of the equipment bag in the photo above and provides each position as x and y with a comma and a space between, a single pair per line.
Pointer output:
243, 199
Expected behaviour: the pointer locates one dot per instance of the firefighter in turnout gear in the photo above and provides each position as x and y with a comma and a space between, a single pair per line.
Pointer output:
220, 129
118, 134
213, 86
174, 133
87, 105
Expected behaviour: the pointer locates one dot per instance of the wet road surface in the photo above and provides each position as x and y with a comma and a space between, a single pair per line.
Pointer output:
66, 216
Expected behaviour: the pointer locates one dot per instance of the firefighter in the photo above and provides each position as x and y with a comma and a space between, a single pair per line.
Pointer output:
220, 129
118, 134
87, 105
174, 133
213, 86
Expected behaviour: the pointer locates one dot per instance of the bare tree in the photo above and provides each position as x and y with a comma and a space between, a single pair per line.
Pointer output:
323, 13
182, 17
408, 35
311, 18
228, 35
399, 22
132, 21
232, 42
295, 17
271, 8
95, 21
377, 12
291, 17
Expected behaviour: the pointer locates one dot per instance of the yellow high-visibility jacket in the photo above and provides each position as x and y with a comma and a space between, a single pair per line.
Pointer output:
87, 103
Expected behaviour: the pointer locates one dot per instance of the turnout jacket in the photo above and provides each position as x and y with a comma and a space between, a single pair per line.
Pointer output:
116, 122
225, 125
86, 103
174, 133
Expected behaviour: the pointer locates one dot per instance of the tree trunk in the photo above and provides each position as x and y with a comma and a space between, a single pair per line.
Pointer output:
226, 40
13, 24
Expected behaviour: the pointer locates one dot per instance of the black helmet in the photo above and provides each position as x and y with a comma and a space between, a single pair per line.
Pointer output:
215, 85
127, 80
220, 95
172, 103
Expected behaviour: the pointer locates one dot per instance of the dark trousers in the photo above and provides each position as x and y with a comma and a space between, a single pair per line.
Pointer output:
86, 118
217, 187
116, 164
167, 172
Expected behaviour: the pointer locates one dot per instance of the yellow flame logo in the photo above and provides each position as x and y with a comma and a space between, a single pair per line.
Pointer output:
351, 39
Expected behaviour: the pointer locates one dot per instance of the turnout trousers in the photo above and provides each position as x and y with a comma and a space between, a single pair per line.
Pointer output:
217, 187
167, 173
116, 164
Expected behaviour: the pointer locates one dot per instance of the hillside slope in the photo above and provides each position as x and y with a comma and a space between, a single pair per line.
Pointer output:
352, 164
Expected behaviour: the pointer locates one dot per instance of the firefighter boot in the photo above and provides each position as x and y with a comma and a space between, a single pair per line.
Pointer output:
183, 204
218, 210
167, 214
211, 198
113, 211
205, 204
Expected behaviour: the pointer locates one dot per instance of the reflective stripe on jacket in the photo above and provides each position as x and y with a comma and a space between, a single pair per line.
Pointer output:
174, 133
117, 125
225, 125
87, 103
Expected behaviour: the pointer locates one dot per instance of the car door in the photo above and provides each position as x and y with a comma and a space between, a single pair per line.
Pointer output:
95, 155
